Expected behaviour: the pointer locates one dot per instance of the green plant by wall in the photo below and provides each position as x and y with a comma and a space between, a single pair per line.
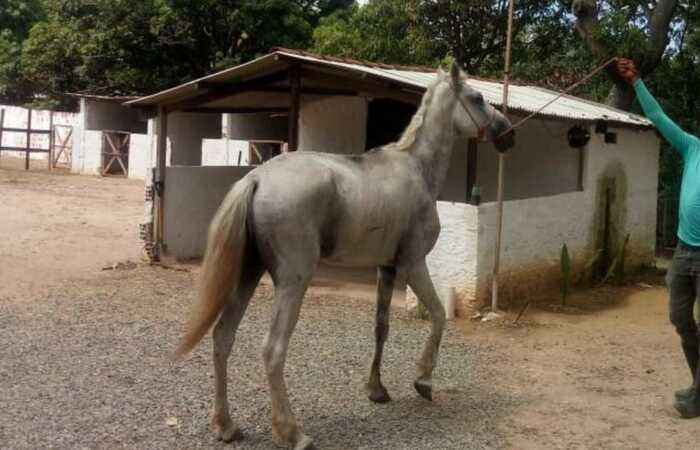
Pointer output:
616, 271
565, 265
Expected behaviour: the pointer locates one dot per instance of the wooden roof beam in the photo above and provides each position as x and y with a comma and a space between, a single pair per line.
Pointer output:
367, 85
217, 91
224, 110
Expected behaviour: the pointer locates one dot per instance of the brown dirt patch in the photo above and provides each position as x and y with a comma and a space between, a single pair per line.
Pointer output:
599, 373
56, 226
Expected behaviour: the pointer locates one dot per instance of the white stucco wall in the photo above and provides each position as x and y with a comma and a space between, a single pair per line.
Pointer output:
333, 124
186, 132
534, 230
540, 164
263, 126
87, 152
140, 155
453, 261
224, 152
192, 196
103, 115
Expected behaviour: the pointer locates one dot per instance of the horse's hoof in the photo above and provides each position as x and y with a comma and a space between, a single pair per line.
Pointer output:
305, 443
226, 431
379, 395
230, 434
293, 441
424, 390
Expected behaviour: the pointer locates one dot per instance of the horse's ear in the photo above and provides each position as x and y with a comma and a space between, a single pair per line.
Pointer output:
456, 75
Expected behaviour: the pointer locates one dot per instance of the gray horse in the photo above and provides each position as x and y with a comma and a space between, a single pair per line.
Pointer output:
371, 210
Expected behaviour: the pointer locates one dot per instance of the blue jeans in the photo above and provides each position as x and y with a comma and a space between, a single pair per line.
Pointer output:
683, 280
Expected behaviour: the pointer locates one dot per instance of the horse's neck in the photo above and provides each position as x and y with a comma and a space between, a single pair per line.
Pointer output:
433, 148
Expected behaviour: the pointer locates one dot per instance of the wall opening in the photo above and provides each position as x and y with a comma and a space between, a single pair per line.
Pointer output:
386, 121
261, 151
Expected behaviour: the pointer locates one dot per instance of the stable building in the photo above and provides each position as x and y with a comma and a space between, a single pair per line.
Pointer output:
581, 173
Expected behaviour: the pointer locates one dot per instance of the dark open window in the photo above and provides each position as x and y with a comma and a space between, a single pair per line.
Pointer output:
386, 120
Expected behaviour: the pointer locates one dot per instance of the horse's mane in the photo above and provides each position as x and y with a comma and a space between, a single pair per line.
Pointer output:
408, 137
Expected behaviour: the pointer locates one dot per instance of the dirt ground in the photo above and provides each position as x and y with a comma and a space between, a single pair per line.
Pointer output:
55, 226
596, 375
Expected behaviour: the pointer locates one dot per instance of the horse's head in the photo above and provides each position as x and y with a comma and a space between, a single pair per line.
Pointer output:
474, 117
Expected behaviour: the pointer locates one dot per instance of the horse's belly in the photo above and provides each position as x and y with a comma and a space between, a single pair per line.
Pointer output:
369, 249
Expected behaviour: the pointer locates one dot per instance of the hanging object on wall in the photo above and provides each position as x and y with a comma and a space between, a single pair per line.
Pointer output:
578, 136
601, 126
611, 138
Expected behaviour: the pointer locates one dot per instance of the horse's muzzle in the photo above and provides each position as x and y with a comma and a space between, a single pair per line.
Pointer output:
505, 140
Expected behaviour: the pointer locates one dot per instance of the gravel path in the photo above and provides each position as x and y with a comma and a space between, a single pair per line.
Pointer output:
87, 367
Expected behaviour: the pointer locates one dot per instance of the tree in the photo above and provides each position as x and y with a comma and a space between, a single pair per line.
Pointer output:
142, 46
16, 18
639, 29
473, 32
381, 31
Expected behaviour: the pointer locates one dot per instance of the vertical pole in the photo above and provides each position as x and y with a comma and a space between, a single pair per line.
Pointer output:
295, 85
471, 167
29, 139
52, 163
501, 163
159, 178
2, 125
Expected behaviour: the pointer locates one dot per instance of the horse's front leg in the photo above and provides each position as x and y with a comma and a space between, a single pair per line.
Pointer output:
385, 288
421, 284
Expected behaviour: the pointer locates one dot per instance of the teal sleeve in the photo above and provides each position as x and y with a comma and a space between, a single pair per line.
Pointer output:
679, 139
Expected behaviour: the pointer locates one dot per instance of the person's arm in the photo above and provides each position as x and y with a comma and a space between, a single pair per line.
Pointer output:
679, 139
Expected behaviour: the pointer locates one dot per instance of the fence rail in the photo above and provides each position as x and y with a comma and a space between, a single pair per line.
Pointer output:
29, 132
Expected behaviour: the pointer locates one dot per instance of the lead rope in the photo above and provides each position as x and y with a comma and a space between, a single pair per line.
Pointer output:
563, 93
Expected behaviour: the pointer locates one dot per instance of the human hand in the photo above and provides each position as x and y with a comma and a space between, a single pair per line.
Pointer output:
627, 70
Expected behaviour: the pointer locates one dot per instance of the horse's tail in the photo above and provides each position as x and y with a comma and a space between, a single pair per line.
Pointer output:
223, 259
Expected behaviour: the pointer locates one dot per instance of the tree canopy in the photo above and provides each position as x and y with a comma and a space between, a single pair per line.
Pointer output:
140, 46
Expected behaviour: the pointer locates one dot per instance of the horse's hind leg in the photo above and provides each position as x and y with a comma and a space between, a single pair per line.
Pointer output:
223, 336
385, 287
289, 293
420, 282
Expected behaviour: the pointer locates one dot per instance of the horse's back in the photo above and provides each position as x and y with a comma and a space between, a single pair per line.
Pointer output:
347, 208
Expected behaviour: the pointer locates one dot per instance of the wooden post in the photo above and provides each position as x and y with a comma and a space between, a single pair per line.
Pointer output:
295, 86
159, 178
52, 163
581, 163
29, 138
501, 163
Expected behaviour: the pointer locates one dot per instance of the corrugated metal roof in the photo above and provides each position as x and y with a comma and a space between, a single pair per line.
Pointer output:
105, 98
522, 98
